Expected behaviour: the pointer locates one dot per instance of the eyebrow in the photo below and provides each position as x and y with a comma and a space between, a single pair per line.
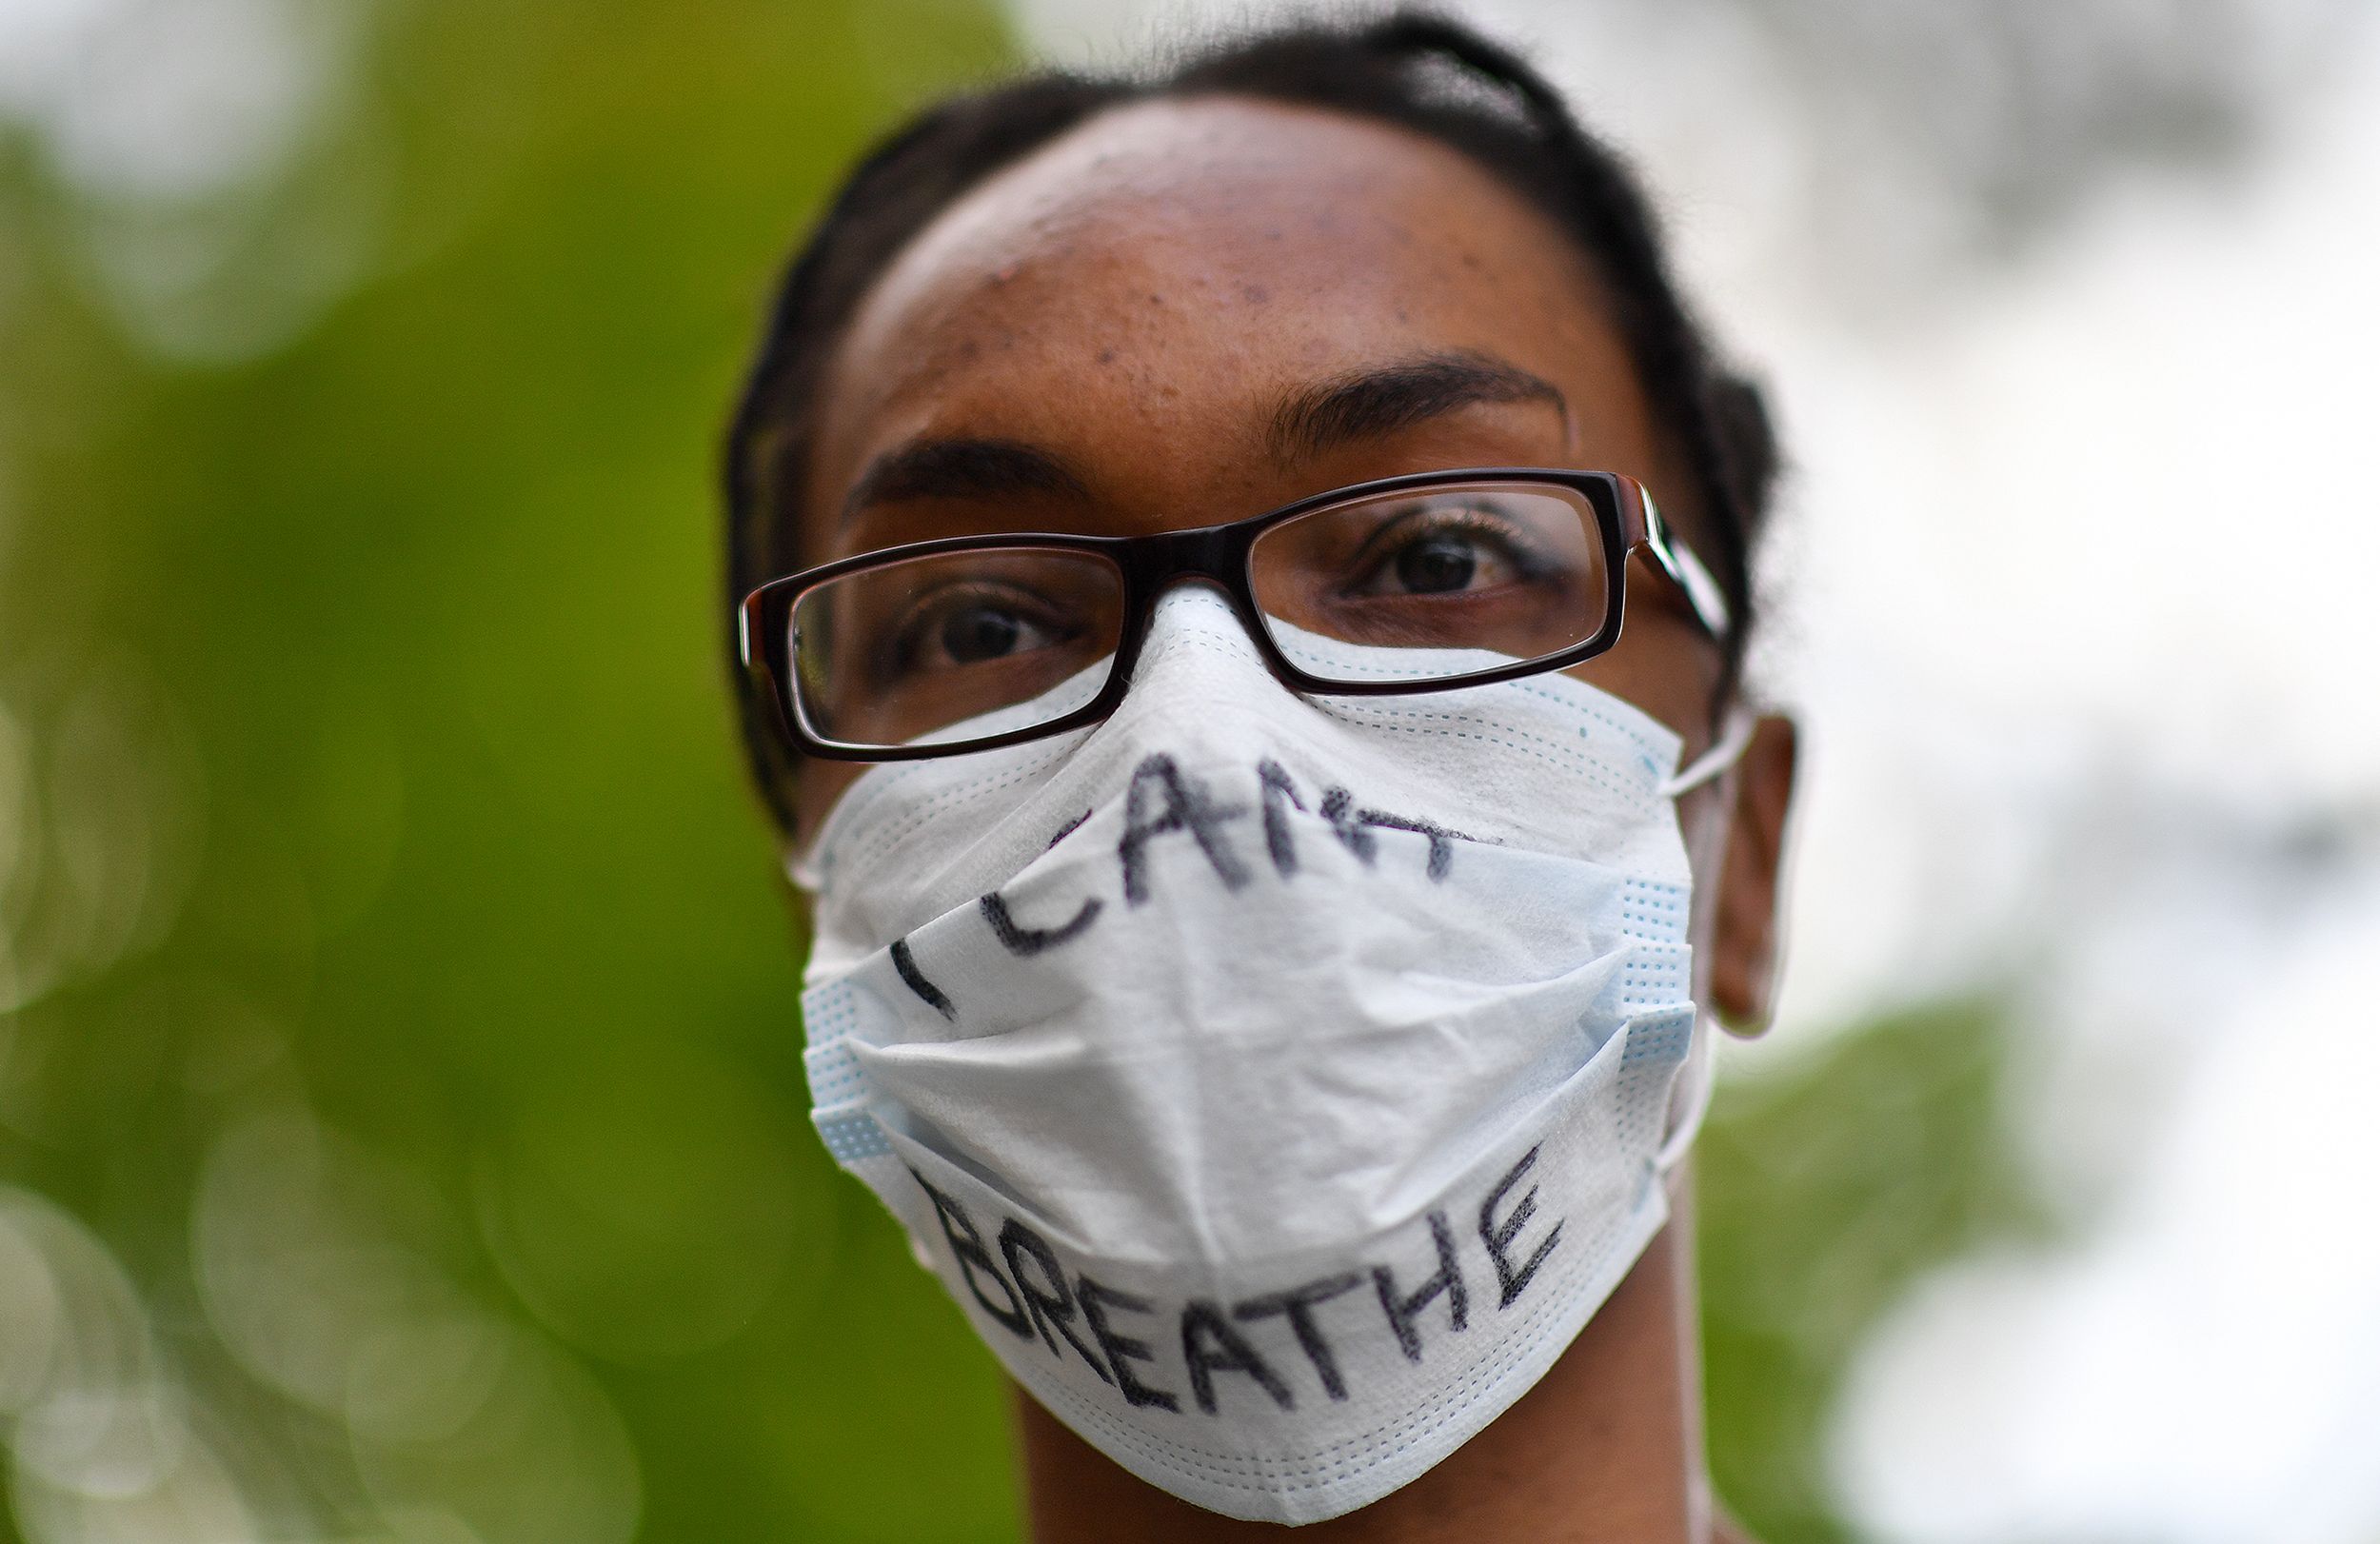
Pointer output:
960, 469
1367, 403
1363, 404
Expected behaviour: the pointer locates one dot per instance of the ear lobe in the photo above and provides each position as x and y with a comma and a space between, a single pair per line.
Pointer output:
1748, 929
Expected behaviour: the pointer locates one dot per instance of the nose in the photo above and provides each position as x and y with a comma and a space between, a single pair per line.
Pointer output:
1194, 617
1204, 561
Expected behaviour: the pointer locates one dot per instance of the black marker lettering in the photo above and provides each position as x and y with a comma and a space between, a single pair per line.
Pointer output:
1299, 1303
966, 1246
1339, 808
1498, 1237
1273, 782
1068, 829
1441, 839
906, 965
1210, 1345
1121, 1349
1025, 942
1188, 807
1049, 1305
1402, 1311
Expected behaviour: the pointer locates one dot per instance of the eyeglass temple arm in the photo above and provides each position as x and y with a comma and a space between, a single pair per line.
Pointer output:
1642, 523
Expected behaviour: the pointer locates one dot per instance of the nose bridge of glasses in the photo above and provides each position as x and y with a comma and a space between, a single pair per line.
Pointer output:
1158, 561
1213, 558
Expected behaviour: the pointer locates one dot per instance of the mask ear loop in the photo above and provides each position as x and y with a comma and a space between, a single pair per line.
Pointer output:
1700, 1077
1724, 752
1701, 1080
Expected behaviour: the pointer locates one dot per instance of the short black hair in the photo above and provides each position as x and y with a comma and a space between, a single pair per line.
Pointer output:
1415, 70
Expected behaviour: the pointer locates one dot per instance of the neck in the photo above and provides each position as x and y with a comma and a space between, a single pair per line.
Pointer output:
1606, 1447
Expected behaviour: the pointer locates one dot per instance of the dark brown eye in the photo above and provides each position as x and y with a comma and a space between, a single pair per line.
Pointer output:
1439, 563
977, 633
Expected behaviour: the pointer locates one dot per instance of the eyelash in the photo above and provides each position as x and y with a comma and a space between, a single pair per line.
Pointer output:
1420, 524
932, 610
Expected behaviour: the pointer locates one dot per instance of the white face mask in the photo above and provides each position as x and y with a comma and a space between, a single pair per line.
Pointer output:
1277, 1083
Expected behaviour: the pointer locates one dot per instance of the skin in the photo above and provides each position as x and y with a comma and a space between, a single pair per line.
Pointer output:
1137, 302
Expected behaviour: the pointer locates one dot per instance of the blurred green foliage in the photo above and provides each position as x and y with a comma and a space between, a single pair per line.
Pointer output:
1823, 1193
366, 758
401, 1120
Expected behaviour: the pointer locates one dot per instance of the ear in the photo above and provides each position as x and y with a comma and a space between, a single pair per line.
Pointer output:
1747, 931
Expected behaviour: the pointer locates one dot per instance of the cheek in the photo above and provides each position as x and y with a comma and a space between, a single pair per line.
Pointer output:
1664, 667
817, 786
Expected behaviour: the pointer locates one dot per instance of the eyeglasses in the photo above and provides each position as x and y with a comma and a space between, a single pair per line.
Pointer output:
1413, 583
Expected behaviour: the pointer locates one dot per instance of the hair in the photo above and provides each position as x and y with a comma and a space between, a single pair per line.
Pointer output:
1414, 70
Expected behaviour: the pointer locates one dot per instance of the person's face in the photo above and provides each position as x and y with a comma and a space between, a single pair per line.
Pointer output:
1155, 303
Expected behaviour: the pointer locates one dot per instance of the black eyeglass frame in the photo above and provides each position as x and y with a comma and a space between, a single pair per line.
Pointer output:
1626, 518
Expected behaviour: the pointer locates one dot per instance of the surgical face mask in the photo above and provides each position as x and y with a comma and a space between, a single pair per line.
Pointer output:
1277, 1084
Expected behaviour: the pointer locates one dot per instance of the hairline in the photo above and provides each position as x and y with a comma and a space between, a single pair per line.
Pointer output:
1604, 293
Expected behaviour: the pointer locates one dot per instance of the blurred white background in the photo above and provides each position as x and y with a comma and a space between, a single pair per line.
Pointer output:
2069, 314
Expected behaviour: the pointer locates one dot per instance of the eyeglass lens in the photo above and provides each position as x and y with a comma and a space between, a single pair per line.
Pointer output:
902, 653
1513, 571
1424, 587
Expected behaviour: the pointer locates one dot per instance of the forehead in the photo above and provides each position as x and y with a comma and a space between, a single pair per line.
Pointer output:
1154, 276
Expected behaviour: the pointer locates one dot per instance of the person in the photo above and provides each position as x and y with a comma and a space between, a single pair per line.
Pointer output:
1240, 579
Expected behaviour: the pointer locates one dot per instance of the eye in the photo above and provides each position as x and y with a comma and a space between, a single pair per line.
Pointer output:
1438, 563
1443, 551
974, 624
981, 632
